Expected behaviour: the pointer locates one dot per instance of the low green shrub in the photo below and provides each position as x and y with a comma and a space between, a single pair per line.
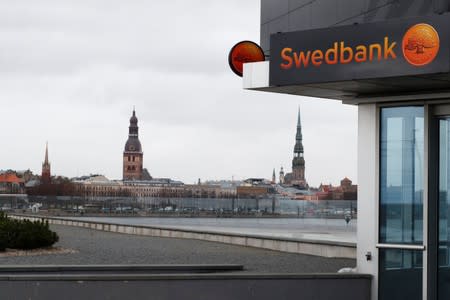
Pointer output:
3, 243
25, 234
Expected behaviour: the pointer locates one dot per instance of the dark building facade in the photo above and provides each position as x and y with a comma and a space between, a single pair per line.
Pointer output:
403, 104
293, 15
132, 155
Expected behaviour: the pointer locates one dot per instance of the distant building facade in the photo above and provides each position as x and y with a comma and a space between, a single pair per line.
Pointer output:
255, 188
346, 191
98, 186
10, 183
253, 191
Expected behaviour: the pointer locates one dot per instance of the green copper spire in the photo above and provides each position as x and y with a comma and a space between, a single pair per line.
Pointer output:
298, 137
298, 162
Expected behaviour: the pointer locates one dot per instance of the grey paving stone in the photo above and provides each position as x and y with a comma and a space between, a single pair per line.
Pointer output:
98, 247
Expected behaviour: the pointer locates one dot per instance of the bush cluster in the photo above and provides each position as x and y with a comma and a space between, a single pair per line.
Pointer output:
25, 234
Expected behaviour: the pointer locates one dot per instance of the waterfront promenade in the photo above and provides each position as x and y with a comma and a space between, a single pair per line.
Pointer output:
319, 229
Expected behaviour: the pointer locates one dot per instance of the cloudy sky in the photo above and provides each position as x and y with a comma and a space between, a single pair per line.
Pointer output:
71, 71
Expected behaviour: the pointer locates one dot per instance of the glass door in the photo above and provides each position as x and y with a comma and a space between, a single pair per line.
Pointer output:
404, 271
401, 203
438, 279
443, 211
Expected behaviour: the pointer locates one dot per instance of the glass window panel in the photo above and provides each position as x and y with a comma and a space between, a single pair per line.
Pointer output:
400, 274
401, 175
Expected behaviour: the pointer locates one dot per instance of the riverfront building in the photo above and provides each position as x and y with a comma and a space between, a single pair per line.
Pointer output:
10, 183
99, 187
392, 60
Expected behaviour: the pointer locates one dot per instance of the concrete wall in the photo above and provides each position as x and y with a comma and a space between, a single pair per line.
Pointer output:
293, 15
192, 286
367, 232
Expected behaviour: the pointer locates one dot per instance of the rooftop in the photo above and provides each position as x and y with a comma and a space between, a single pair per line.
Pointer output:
10, 178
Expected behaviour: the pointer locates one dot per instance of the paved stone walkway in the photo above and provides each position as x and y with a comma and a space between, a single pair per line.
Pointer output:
98, 247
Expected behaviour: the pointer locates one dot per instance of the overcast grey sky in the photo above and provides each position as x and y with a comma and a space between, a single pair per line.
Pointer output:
71, 71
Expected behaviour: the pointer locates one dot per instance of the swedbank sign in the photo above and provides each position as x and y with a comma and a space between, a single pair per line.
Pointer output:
339, 53
365, 51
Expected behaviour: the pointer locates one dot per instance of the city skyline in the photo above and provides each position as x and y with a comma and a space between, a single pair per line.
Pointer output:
78, 88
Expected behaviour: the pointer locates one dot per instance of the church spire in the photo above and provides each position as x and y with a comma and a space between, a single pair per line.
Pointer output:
46, 154
133, 129
299, 136
281, 175
298, 162
46, 175
298, 148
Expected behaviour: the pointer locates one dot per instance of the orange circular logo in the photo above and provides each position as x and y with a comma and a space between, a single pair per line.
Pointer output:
244, 52
420, 44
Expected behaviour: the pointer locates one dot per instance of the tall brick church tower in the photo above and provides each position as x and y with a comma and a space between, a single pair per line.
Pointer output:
46, 175
298, 162
133, 155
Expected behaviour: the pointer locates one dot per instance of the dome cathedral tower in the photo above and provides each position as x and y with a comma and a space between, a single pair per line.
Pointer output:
132, 155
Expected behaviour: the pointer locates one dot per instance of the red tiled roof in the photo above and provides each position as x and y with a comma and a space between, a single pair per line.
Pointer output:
10, 178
